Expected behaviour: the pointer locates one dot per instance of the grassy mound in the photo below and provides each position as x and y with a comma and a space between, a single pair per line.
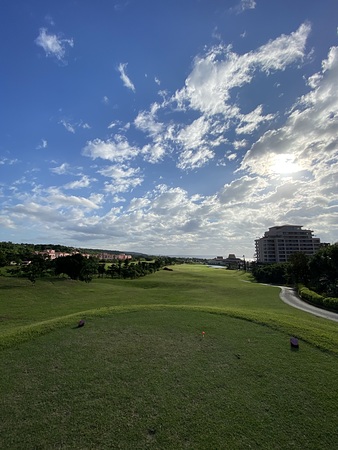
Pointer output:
140, 374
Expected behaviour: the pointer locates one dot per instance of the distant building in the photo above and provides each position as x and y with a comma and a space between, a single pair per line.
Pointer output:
231, 262
52, 254
280, 242
110, 256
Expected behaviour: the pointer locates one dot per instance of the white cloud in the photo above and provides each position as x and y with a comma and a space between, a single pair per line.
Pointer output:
243, 190
119, 124
207, 88
244, 5
216, 34
61, 170
124, 77
33, 211
68, 126
61, 201
251, 121
43, 144
194, 135
147, 121
309, 137
194, 159
84, 182
124, 178
232, 156
116, 150
52, 44
71, 127
240, 144
153, 153
8, 161
196, 142
6, 222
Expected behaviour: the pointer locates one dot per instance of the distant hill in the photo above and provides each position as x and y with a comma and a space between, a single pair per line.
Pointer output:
14, 251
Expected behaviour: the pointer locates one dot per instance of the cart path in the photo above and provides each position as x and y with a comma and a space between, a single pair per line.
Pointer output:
289, 297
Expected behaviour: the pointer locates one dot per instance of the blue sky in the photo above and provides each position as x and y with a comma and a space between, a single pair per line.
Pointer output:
176, 127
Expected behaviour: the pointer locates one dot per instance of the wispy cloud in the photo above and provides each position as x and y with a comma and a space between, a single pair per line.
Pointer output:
43, 144
60, 200
243, 5
8, 161
61, 170
68, 126
214, 75
53, 45
124, 77
84, 182
124, 178
71, 127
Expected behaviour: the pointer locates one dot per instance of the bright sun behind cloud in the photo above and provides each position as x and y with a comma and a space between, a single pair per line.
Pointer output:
285, 164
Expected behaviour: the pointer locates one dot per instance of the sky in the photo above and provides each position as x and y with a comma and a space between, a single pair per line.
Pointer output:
169, 127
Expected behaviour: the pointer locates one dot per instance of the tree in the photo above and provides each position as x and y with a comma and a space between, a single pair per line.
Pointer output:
101, 269
298, 268
323, 271
270, 273
3, 259
77, 267
89, 268
112, 270
37, 267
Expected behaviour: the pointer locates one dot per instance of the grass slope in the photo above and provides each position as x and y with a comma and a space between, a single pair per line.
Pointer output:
28, 310
140, 375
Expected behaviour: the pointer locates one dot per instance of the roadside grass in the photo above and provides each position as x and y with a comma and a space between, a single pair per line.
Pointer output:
148, 379
140, 374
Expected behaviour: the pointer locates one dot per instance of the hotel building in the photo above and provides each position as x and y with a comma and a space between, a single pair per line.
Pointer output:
280, 242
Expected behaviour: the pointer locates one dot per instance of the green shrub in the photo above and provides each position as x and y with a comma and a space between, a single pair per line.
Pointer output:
331, 303
316, 299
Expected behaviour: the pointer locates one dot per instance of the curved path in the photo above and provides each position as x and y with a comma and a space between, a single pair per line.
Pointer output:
289, 297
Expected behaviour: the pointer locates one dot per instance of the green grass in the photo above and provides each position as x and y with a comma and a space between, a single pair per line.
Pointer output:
140, 375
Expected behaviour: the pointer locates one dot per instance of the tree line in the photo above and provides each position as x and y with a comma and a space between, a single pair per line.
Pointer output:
78, 267
318, 272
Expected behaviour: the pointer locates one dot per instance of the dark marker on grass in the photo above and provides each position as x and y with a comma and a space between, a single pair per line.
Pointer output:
294, 343
81, 323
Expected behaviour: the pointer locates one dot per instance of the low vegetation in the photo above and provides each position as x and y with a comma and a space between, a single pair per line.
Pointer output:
316, 299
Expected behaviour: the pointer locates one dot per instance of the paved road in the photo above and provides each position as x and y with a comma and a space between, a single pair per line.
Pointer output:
288, 296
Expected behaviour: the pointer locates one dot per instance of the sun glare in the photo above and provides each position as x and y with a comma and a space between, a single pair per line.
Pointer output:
284, 164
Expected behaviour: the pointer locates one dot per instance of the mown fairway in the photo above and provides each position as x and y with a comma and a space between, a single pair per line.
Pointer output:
139, 374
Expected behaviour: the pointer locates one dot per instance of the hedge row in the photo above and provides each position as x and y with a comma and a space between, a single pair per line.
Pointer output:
312, 297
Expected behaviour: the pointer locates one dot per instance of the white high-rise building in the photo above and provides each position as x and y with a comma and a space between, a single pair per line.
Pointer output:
280, 242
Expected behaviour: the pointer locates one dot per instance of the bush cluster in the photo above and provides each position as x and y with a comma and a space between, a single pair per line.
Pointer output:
312, 297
